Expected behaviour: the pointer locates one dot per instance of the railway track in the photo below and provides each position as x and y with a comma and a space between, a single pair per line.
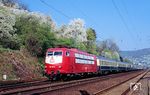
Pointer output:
139, 92
6, 85
48, 87
103, 91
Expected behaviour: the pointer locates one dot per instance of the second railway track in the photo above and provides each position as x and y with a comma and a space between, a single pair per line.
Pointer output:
107, 91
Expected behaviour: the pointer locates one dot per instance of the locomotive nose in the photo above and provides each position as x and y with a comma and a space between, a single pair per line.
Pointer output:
53, 69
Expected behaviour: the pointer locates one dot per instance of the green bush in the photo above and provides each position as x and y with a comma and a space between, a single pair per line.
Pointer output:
65, 42
36, 37
91, 41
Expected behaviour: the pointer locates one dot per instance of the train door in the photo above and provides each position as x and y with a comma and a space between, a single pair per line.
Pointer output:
70, 60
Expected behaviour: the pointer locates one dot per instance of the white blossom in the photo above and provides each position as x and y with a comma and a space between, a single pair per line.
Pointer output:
37, 15
75, 29
7, 21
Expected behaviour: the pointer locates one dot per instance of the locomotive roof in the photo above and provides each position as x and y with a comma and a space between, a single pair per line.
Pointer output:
110, 60
72, 49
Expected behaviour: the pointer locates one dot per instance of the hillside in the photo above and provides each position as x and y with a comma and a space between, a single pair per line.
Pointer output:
19, 65
141, 56
136, 53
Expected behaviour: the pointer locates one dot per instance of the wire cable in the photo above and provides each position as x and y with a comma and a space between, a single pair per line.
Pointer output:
58, 11
124, 22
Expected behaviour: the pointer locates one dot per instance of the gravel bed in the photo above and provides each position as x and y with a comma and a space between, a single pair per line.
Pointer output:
90, 88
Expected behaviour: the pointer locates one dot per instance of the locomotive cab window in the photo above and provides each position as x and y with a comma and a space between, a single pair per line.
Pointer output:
57, 53
50, 53
67, 53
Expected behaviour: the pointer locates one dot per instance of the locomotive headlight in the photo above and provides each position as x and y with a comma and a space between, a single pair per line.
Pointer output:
59, 67
51, 66
45, 66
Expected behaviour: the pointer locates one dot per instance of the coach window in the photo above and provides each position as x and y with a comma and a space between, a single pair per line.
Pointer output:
67, 53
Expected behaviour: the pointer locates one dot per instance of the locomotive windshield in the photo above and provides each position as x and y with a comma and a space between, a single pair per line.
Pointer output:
53, 57
50, 53
56, 53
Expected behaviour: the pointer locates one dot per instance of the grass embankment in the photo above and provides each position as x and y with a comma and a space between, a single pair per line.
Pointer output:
19, 65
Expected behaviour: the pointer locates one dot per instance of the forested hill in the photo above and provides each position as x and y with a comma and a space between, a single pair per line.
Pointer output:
136, 53
141, 56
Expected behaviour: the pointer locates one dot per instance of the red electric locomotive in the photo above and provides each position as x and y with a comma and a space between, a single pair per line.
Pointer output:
69, 61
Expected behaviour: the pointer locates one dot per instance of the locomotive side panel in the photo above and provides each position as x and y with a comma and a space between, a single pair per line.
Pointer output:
84, 63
